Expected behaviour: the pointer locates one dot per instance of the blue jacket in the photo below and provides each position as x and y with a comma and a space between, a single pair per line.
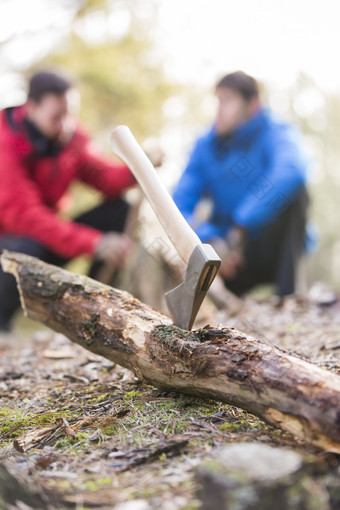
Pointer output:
251, 176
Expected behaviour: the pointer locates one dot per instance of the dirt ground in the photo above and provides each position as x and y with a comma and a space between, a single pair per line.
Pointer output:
77, 431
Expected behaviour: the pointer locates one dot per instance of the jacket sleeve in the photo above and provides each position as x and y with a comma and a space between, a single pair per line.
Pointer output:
273, 189
23, 213
189, 191
103, 173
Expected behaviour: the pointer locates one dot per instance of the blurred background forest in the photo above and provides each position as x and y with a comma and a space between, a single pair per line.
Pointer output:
152, 65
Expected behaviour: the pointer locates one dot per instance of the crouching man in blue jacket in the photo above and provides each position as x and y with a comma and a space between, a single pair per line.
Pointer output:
253, 169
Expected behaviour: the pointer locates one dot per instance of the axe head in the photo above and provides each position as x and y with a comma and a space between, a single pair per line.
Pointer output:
185, 300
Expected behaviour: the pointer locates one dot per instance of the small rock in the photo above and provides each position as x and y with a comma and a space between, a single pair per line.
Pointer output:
322, 295
255, 476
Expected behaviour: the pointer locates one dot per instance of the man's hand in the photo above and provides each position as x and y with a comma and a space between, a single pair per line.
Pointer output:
230, 250
113, 248
236, 238
154, 152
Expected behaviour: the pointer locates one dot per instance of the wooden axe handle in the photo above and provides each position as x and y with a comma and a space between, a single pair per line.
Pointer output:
177, 229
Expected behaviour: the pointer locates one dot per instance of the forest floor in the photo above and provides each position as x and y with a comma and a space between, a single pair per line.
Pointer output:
77, 431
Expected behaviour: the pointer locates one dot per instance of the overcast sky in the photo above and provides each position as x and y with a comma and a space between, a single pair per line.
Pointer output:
272, 39
200, 39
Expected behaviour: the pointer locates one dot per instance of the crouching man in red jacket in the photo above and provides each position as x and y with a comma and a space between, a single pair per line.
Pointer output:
42, 151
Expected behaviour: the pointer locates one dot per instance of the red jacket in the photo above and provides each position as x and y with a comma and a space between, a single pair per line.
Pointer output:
31, 184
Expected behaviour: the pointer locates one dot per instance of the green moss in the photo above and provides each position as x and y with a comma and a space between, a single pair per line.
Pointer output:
166, 333
132, 394
207, 410
144, 493
191, 507
99, 398
94, 485
65, 442
12, 421
111, 430
229, 427
82, 436
15, 419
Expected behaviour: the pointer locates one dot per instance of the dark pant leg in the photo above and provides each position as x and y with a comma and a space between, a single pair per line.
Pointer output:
291, 248
274, 256
108, 216
9, 296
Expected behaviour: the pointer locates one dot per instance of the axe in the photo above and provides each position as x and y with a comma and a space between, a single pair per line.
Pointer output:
202, 261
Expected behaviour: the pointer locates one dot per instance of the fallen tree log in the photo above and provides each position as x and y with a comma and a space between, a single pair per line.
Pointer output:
215, 363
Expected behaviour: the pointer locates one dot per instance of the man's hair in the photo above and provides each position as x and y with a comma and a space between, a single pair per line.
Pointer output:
244, 84
48, 82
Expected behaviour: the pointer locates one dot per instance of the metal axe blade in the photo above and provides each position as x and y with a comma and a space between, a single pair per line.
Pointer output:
185, 300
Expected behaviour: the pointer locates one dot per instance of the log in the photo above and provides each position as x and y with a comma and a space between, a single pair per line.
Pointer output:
213, 363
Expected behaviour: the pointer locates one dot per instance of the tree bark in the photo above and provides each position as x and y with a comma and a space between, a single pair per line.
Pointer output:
214, 363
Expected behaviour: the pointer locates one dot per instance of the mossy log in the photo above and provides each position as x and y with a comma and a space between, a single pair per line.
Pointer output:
213, 363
